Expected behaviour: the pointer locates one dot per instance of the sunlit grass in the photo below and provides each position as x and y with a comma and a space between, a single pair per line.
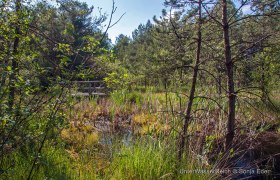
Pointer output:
149, 158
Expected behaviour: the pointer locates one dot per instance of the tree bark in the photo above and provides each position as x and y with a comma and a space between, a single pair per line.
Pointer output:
193, 86
230, 78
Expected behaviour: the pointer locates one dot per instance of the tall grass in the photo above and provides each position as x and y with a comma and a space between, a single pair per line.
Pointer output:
149, 158
146, 158
52, 163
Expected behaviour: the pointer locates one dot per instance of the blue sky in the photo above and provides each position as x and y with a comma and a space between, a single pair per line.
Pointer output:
137, 11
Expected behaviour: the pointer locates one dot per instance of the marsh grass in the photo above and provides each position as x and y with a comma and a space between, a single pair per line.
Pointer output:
149, 158
146, 158
80, 154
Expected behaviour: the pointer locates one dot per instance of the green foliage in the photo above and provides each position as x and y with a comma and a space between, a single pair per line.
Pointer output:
117, 80
42, 49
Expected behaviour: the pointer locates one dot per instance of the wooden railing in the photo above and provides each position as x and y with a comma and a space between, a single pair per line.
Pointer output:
89, 88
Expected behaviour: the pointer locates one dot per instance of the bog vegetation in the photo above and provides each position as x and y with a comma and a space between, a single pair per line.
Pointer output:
195, 90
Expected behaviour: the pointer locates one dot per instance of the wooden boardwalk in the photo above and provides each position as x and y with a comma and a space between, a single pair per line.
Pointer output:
89, 88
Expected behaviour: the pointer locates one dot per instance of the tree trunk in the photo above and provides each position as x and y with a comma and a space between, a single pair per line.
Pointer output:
14, 59
193, 86
230, 78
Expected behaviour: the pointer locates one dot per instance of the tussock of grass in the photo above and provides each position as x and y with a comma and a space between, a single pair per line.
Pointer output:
142, 161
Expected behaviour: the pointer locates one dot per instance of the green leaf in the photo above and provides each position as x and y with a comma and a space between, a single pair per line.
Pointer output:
9, 68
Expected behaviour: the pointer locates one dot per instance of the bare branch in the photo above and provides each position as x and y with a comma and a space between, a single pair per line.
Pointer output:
241, 6
110, 20
211, 16
252, 16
